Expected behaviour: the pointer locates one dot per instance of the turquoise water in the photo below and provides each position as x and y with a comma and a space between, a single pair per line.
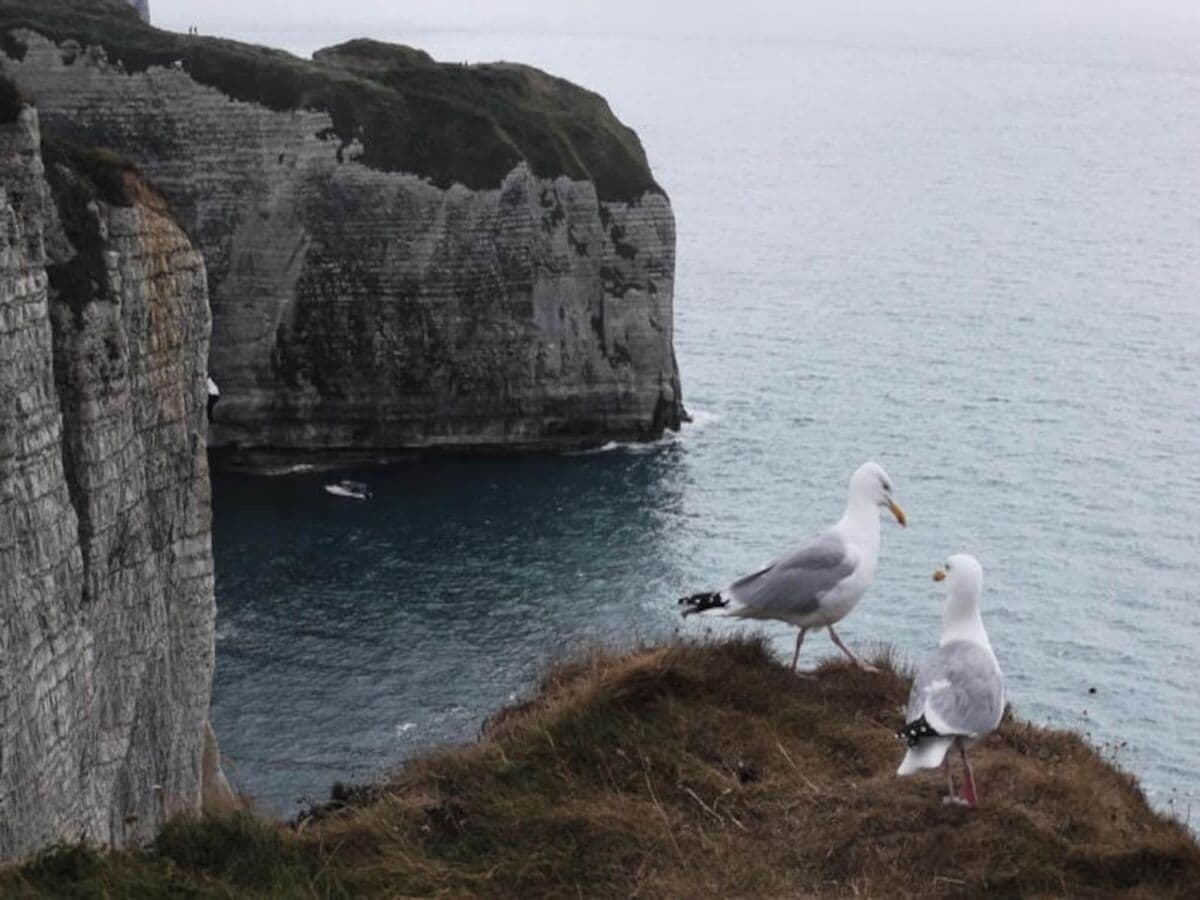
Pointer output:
978, 268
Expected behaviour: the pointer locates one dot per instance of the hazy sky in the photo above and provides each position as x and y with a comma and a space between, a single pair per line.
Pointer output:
859, 21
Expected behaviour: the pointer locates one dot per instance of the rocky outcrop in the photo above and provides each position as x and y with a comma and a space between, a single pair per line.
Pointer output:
400, 253
106, 579
142, 7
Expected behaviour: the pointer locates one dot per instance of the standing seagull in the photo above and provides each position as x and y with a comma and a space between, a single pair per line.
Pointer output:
818, 582
958, 695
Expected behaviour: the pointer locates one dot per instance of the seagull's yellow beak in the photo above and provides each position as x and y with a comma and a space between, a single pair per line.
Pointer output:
898, 512
939, 575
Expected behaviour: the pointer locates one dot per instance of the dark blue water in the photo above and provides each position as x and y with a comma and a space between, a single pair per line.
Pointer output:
977, 266
352, 632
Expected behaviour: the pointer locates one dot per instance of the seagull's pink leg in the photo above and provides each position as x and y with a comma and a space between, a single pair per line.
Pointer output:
968, 786
799, 641
952, 798
866, 667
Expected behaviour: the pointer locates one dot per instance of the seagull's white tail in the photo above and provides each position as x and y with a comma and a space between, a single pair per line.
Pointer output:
928, 754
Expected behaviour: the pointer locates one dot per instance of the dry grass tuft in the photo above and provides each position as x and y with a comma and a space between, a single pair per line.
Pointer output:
692, 771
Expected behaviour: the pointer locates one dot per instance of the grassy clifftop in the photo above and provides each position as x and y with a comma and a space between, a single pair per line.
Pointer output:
687, 771
448, 122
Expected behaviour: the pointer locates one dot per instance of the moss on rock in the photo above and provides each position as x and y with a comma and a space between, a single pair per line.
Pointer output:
83, 278
80, 178
11, 101
106, 175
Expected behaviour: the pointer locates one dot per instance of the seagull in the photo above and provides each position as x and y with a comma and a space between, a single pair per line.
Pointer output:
958, 695
818, 582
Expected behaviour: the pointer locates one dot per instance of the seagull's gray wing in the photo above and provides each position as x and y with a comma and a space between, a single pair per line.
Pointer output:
794, 584
959, 690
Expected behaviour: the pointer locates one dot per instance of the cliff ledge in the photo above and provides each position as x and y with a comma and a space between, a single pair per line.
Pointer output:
685, 771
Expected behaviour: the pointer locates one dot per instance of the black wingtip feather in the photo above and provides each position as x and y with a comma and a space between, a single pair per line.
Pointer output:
698, 603
912, 733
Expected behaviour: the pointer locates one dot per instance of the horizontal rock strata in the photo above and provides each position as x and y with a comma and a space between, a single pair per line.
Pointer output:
400, 253
106, 585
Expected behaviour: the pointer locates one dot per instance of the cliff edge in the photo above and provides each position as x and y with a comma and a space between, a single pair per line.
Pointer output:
401, 253
684, 771
106, 584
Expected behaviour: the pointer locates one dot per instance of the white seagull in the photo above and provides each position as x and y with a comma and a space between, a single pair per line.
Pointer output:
958, 695
817, 583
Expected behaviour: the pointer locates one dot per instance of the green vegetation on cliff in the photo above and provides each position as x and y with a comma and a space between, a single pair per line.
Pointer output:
447, 122
684, 771
11, 101
78, 176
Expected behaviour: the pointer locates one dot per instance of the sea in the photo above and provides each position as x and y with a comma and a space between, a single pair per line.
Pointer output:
965, 247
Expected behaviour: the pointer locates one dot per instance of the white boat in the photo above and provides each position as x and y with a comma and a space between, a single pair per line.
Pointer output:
355, 490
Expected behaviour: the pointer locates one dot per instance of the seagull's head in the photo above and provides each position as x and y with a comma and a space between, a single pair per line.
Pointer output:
964, 581
870, 484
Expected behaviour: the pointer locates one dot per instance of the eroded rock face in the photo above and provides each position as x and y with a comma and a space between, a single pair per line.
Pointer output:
106, 585
357, 308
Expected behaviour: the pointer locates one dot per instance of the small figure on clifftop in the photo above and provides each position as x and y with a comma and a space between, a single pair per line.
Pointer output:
816, 584
958, 695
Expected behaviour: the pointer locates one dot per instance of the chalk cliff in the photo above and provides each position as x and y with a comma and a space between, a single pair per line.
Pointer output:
400, 253
106, 584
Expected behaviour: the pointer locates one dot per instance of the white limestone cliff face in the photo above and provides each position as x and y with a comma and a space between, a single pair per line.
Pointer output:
360, 309
106, 579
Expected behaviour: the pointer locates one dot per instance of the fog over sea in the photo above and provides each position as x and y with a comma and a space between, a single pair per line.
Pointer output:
967, 247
